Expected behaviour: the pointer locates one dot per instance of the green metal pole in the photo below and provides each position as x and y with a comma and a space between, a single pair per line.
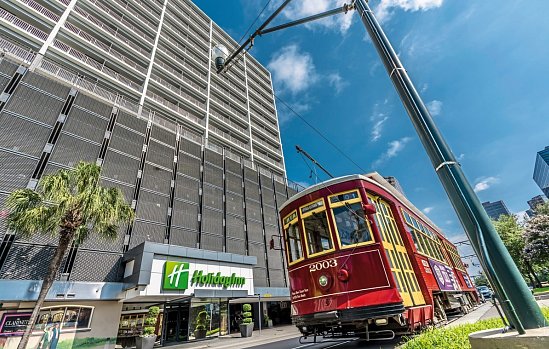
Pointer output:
522, 309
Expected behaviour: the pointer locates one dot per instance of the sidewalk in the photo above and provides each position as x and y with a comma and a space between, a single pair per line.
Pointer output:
473, 316
485, 311
235, 341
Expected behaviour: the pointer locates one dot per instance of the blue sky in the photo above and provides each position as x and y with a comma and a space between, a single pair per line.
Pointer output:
482, 67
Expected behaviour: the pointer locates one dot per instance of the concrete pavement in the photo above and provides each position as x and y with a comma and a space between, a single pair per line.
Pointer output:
235, 341
282, 333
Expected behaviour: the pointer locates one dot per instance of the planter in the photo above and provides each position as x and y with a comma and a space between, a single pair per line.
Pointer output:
269, 323
145, 342
246, 330
199, 334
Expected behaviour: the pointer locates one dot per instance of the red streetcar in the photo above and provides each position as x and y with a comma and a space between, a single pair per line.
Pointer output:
363, 261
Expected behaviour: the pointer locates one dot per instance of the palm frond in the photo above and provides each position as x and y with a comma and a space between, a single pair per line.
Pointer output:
66, 194
56, 187
27, 212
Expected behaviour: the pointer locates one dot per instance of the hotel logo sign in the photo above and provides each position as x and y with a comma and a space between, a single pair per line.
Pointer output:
176, 276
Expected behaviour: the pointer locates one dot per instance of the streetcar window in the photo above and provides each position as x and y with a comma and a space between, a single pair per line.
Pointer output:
351, 224
317, 233
295, 249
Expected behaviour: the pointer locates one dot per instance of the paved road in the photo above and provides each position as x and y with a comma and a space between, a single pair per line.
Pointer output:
336, 344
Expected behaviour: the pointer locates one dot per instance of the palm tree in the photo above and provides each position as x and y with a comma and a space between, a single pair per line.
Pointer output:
70, 204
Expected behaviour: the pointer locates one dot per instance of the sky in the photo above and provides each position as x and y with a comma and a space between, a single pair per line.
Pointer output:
481, 68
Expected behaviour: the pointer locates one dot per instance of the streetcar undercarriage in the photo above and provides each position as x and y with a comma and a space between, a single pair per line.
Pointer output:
369, 323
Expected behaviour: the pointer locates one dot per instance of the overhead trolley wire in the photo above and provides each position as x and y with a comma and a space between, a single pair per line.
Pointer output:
319, 133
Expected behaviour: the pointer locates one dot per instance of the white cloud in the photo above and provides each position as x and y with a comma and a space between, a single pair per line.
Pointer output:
397, 146
427, 210
485, 183
336, 81
378, 118
293, 70
384, 9
435, 107
378, 126
394, 147
424, 88
304, 8
461, 157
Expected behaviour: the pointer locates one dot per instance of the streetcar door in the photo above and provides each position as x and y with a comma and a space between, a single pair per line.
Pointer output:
399, 260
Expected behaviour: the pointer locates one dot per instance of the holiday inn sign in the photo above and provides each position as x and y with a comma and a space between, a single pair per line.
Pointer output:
176, 277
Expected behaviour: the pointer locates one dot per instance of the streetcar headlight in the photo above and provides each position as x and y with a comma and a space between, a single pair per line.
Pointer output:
381, 321
323, 281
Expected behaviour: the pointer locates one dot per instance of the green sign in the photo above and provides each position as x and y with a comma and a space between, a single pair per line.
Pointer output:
217, 279
176, 276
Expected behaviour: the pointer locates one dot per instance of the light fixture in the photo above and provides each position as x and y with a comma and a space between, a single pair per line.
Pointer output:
219, 55
381, 321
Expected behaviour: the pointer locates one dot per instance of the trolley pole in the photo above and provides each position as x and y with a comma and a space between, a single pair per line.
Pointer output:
517, 300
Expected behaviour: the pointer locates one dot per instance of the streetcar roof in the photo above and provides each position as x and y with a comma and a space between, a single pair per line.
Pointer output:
374, 178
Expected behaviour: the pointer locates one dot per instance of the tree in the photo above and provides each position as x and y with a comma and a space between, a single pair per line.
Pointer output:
480, 280
70, 204
536, 237
511, 233
542, 208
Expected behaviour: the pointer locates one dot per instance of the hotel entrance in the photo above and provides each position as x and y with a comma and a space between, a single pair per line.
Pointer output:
176, 323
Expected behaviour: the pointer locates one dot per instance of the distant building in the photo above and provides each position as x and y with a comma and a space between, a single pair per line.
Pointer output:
541, 170
394, 182
535, 202
495, 209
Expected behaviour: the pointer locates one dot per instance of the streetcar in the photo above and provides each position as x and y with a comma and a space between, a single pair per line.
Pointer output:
363, 261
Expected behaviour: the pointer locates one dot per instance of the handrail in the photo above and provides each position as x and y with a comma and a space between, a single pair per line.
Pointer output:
122, 20
13, 19
108, 49
111, 31
41, 9
179, 92
95, 64
180, 75
175, 108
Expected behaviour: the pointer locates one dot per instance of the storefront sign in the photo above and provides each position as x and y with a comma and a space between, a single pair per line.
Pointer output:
14, 324
217, 279
467, 280
444, 276
176, 277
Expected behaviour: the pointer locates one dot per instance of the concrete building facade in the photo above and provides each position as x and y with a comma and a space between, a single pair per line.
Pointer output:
131, 86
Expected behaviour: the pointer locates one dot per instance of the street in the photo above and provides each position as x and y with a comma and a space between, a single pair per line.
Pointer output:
334, 343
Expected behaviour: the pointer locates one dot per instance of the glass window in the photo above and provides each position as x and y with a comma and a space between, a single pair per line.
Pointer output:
84, 318
351, 224
295, 248
317, 232
69, 318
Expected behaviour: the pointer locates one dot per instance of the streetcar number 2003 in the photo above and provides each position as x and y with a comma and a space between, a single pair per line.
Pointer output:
323, 265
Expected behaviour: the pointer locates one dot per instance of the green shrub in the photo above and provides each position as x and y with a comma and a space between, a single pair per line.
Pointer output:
201, 320
454, 337
150, 321
247, 314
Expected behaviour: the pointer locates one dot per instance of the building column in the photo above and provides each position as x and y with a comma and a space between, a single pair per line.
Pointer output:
53, 34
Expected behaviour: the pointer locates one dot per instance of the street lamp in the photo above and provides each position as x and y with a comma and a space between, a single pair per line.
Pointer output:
516, 299
219, 55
